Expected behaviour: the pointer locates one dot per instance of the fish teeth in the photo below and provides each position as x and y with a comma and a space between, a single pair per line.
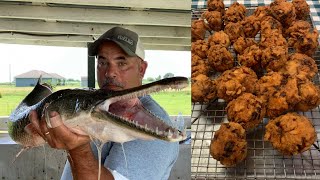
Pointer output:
146, 126
169, 134
157, 130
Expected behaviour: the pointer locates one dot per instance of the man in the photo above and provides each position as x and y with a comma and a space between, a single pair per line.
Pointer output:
120, 65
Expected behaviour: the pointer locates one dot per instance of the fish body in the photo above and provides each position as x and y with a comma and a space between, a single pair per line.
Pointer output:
108, 116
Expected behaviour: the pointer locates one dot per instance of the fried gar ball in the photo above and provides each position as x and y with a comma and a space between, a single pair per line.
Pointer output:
305, 44
310, 95
242, 43
270, 25
220, 58
302, 9
213, 19
233, 83
248, 110
200, 48
297, 29
199, 66
203, 89
235, 13
216, 5
273, 39
283, 11
300, 65
273, 58
251, 25
261, 11
234, 31
229, 145
290, 134
279, 92
251, 57
219, 38
198, 30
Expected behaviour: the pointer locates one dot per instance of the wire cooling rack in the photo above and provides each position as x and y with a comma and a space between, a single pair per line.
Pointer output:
262, 161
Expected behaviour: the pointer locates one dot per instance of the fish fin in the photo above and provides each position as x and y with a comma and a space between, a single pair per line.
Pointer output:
39, 92
18, 154
35, 136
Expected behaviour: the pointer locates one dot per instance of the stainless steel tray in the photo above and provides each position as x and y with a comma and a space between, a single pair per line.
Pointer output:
263, 161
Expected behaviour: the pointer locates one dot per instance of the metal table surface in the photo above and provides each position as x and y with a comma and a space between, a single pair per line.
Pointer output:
263, 161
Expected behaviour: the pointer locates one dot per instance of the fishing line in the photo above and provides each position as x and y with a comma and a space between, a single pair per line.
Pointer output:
99, 146
125, 159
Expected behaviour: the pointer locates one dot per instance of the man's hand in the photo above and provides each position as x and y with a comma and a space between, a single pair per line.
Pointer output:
59, 137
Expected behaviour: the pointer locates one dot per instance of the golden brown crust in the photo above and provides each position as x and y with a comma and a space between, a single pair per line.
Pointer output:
198, 30
203, 89
290, 134
233, 83
302, 9
234, 31
199, 66
273, 39
248, 110
310, 95
216, 5
219, 38
213, 20
283, 11
251, 57
300, 65
261, 11
235, 13
242, 43
200, 48
305, 44
270, 25
297, 29
251, 25
274, 58
229, 145
220, 58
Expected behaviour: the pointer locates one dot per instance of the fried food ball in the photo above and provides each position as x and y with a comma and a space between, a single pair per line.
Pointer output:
203, 89
234, 31
251, 25
273, 39
199, 66
270, 25
310, 95
213, 20
220, 58
229, 145
302, 9
233, 83
242, 43
305, 44
216, 5
279, 92
198, 30
248, 110
283, 11
219, 38
251, 57
290, 134
235, 13
200, 48
300, 65
273, 58
297, 29
261, 11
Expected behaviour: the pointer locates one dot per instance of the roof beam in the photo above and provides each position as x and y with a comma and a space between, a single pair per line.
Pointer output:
156, 4
37, 26
84, 45
110, 16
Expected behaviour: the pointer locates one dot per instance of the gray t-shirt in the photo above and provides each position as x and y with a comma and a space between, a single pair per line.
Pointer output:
150, 160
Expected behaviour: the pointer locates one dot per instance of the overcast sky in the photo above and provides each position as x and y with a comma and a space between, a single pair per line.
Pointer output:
71, 62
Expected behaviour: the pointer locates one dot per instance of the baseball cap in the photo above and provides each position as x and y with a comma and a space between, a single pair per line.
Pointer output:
128, 40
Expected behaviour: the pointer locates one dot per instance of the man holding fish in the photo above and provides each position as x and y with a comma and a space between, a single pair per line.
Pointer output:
120, 66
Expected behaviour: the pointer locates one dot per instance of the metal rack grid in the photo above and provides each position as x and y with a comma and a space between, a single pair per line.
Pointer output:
263, 161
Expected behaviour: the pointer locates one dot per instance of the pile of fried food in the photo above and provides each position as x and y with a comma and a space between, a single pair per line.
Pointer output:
257, 78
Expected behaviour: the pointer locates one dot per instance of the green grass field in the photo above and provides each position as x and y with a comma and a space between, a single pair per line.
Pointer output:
172, 101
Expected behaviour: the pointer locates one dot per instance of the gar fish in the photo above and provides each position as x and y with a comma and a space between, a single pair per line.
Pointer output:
106, 116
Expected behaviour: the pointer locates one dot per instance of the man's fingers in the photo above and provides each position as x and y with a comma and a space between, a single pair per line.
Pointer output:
55, 119
33, 116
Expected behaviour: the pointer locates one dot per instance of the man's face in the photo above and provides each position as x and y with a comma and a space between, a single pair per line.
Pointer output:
116, 70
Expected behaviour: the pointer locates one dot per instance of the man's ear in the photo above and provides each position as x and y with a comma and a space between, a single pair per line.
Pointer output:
143, 68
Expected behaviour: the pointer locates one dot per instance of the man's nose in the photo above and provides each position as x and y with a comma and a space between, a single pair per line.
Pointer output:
111, 71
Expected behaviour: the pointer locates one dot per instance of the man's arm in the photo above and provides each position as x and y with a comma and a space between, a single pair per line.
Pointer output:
82, 161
